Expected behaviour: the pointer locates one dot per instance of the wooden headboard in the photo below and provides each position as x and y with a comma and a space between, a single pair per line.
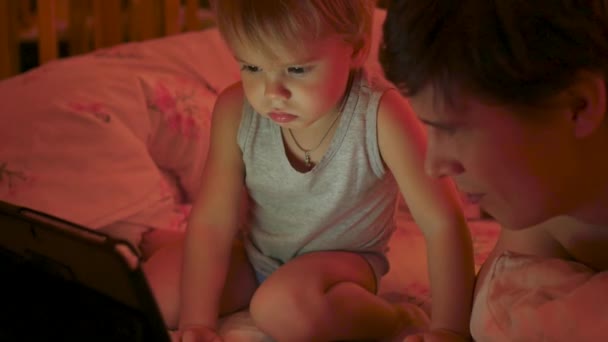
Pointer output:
85, 25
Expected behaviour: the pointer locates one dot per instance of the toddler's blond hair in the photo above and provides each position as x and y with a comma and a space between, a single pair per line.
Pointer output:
290, 23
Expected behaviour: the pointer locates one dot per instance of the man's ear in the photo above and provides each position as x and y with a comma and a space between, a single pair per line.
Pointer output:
588, 103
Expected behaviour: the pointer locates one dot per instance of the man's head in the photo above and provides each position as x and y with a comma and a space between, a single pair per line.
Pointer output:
513, 93
510, 52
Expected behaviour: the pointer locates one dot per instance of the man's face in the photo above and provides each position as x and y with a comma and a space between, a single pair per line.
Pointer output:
518, 169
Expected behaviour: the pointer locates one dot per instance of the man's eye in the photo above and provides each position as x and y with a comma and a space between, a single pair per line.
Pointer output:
250, 68
449, 130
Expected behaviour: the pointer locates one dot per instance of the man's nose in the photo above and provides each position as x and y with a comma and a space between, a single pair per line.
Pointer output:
439, 164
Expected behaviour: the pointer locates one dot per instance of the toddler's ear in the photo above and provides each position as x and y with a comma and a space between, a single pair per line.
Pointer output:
360, 54
588, 105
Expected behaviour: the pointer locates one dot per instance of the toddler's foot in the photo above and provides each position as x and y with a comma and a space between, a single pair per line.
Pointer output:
412, 320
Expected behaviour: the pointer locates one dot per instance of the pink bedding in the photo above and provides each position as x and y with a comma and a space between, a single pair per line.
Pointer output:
114, 135
528, 298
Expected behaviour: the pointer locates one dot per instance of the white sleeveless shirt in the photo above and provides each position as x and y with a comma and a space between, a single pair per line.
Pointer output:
345, 203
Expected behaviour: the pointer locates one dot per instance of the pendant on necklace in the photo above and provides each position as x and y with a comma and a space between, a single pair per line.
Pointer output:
307, 159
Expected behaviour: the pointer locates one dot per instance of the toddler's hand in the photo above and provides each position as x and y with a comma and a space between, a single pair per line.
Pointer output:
196, 334
437, 335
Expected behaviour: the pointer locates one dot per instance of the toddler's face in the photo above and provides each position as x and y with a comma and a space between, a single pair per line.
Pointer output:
519, 170
298, 87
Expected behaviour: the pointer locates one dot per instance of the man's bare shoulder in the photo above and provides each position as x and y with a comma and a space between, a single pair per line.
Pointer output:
583, 242
560, 237
536, 240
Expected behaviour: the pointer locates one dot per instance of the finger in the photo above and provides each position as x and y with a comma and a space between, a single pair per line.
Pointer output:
174, 336
414, 338
189, 336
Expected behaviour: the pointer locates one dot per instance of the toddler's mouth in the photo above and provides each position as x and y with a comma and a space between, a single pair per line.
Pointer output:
281, 117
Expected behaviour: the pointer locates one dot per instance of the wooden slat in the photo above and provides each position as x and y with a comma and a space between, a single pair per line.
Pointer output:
62, 10
9, 59
192, 21
47, 31
107, 23
171, 16
27, 17
146, 19
79, 33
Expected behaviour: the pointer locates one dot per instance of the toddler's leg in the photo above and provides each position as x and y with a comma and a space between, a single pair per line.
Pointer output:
324, 296
124, 230
163, 271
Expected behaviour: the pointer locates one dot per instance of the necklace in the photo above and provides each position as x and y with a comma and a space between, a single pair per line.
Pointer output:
307, 160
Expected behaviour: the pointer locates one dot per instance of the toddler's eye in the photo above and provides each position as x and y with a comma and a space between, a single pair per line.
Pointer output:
297, 70
249, 68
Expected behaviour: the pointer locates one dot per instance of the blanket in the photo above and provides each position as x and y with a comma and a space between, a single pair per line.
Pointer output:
528, 298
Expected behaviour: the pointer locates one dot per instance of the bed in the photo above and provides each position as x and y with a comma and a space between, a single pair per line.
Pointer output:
119, 135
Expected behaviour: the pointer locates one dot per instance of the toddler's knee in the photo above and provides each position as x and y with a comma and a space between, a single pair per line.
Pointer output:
286, 315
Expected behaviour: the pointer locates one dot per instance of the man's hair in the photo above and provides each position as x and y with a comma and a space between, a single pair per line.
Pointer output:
514, 52
292, 22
